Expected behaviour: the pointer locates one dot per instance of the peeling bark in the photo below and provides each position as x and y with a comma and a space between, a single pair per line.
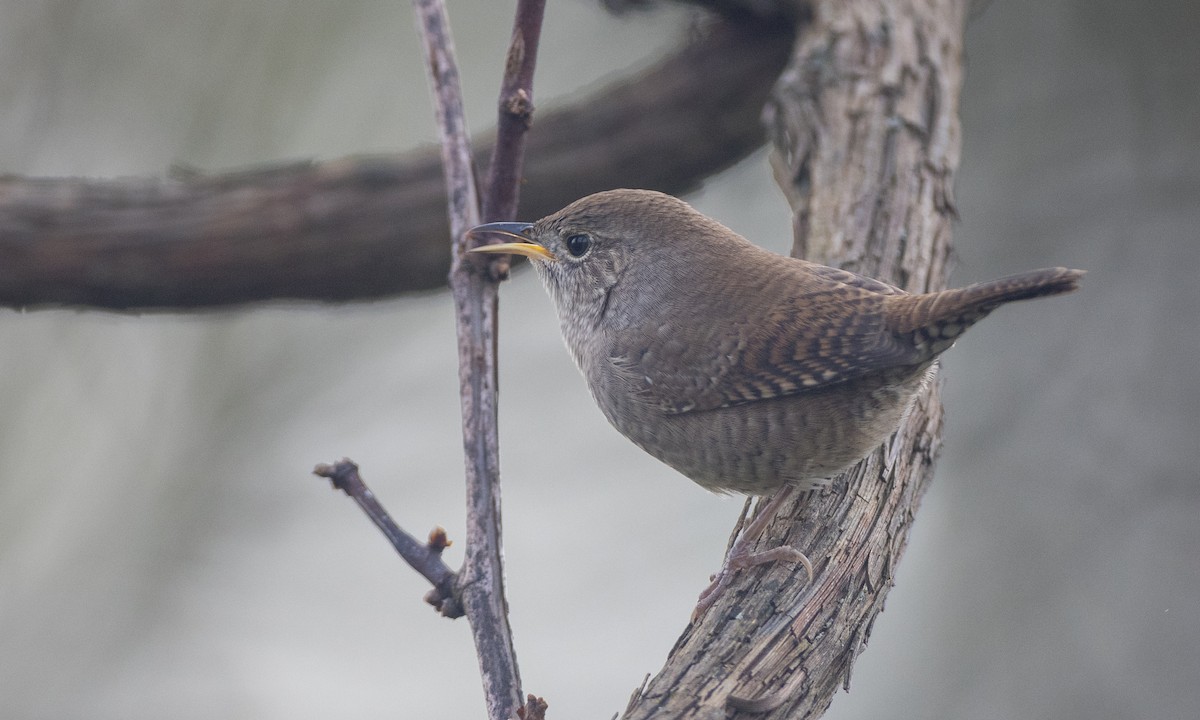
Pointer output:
864, 124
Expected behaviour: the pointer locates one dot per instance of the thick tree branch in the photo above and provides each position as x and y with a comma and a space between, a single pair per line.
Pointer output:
370, 227
865, 128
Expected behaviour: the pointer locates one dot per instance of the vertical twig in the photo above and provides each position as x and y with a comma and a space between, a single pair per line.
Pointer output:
516, 113
481, 579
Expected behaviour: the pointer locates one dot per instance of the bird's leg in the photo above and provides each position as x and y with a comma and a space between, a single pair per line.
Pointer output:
740, 557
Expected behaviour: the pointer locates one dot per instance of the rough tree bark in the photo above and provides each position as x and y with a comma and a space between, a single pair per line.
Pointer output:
865, 131
864, 124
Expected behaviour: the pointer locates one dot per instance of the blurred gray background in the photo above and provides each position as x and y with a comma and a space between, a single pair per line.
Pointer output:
164, 551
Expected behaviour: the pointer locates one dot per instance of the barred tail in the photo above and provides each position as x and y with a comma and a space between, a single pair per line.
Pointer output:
937, 319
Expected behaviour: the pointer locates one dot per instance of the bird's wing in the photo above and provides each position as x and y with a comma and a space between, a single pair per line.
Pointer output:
827, 332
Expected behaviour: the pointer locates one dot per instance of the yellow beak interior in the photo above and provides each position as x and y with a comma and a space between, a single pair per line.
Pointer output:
528, 249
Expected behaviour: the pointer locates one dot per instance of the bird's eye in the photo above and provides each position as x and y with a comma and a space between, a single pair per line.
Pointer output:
578, 244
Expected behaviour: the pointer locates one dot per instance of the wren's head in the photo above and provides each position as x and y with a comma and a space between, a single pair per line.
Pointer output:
592, 254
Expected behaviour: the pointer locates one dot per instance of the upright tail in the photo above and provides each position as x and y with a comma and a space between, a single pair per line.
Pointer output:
937, 319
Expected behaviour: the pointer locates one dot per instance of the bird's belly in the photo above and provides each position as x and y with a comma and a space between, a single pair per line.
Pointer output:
757, 447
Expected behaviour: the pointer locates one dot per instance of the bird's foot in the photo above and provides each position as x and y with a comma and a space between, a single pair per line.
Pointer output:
740, 561
740, 556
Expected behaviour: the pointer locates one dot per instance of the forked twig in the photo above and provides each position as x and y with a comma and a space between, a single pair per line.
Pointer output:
426, 558
477, 590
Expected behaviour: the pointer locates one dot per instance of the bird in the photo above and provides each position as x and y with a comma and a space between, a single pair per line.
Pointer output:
745, 370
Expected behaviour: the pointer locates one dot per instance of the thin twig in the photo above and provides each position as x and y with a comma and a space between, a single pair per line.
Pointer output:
426, 558
481, 581
516, 115
462, 198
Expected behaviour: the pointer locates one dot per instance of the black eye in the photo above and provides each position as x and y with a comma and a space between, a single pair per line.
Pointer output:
578, 244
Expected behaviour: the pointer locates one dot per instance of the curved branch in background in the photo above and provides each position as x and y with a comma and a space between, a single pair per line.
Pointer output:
370, 227
864, 124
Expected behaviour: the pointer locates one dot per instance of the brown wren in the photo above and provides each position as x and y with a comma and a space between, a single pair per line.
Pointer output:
745, 370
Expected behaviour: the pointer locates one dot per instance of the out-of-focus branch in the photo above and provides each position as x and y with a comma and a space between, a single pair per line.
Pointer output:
370, 227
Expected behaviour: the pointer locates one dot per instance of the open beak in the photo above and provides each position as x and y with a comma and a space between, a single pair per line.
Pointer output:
513, 230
